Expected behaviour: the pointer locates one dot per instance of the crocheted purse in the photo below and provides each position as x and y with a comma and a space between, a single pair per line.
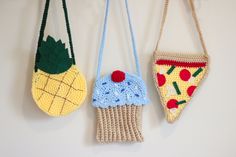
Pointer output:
58, 86
118, 98
177, 76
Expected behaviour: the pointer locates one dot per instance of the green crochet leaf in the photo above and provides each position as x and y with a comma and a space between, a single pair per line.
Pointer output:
54, 57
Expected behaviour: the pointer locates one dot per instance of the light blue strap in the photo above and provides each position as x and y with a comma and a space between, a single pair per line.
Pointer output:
133, 40
104, 37
100, 53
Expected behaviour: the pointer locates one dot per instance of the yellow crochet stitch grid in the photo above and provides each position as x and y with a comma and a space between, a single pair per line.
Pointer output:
165, 90
59, 94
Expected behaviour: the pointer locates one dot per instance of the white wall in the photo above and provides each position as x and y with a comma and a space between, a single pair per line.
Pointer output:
206, 129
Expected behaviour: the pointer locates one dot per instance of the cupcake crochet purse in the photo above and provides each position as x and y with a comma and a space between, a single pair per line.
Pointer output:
119, 98
177, 76
58, 86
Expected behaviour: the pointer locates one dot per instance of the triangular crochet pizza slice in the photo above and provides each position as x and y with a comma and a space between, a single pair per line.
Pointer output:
177, 79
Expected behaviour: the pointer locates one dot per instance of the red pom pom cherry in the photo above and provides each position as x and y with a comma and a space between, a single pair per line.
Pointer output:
118, 76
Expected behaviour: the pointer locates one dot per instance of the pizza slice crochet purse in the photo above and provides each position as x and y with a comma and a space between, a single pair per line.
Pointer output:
119, 98
58, 86
177, 76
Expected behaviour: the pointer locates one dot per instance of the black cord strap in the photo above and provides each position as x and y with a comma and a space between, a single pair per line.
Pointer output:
68, 30
43, 25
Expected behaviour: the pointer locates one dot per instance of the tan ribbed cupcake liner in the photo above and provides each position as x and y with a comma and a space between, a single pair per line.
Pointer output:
119, 124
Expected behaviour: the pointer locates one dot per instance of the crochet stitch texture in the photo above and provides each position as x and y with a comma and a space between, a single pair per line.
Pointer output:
131, 91
177, 76
119, 97
58, 86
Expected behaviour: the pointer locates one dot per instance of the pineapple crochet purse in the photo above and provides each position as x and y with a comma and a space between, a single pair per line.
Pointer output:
58, 87
177, 76
118, 98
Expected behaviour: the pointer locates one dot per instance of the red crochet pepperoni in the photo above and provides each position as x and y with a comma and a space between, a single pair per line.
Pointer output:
161, 79
172, 103
190, 90
118, 76
185, 75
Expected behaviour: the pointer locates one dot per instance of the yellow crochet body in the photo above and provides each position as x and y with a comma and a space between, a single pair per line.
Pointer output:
59, 94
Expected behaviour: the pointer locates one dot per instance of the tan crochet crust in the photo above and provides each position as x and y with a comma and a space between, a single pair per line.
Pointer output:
183, 56
119, 124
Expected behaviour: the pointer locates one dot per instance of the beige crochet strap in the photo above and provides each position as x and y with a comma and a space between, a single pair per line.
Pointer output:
194, 15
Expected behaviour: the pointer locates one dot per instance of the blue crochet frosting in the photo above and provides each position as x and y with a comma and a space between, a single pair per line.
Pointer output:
130, 91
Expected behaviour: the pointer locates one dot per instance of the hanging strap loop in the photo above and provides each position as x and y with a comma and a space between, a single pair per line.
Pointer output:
43, 25
194, 15
101, 49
